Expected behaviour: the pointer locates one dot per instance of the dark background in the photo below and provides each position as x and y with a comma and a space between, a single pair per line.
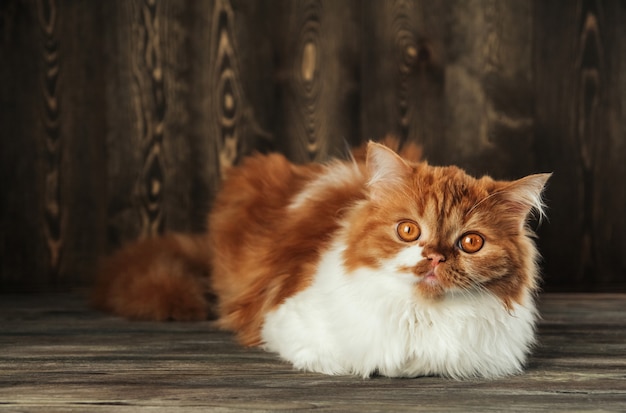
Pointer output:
117, 116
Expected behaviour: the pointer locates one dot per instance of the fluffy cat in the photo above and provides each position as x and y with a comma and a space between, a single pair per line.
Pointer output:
380, 265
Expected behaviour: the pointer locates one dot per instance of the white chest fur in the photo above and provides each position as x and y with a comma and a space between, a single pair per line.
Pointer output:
371, 321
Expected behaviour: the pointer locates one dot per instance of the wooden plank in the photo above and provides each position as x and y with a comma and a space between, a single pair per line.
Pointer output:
124, 130
162, 166
605, 140
128, 101
58, 356
201, 161
580, 80
227, 94
241, 96
621, 131
137, 105
56, 148
79, 77
54, 208
317, 60
187, 184
192, 122
489, 88
253, 23
231, 101
402, 72
23, 249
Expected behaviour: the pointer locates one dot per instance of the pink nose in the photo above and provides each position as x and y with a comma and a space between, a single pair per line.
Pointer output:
435, 258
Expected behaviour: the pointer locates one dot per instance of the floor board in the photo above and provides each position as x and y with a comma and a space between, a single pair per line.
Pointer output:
56, 355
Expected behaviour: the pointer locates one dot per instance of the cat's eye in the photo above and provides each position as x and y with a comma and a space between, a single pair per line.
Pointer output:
471, 242
408, 231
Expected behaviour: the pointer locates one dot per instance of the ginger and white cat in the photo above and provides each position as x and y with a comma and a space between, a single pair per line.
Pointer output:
380, 265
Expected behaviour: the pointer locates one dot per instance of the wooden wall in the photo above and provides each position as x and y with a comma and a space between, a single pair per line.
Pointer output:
116, 117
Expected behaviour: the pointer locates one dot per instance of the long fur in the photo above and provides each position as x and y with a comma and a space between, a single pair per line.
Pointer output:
307, 261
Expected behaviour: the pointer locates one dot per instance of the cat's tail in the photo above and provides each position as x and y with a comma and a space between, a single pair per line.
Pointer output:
162, 278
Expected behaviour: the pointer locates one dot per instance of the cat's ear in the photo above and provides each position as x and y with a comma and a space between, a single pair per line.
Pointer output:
386, 169
524, 196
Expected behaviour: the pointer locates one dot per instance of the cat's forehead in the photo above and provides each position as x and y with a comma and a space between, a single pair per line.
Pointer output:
447, 190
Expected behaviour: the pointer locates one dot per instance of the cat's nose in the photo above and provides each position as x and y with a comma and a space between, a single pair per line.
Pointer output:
435, 258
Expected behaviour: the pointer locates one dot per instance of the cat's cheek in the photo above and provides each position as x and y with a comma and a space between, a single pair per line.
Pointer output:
487, 267
406, 259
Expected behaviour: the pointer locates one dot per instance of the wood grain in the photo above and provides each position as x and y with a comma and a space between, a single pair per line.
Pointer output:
118, 118
601, 141
59, 356
227, 91
317, 51
252, 27
81, 120
147, 73
130, 126
488, 93
54, 215
153, 107
402, 69
580, 137
23, 245
187, 185
53, 205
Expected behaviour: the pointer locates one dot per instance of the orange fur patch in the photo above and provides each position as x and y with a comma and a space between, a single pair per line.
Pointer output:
447, 203
265, 253
163, 278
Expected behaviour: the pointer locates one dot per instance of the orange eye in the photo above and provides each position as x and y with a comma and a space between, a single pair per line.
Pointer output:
408, 231
471, 242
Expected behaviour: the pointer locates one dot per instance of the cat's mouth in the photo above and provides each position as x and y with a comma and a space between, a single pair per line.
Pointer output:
425, 273
430, 278
430, 285
431, 282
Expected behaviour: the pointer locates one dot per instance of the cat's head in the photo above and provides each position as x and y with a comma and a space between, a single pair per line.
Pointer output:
452, 232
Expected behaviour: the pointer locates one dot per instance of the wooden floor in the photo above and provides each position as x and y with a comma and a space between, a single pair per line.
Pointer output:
56, 355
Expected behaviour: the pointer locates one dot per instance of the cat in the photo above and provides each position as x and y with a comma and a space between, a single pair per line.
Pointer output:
380, 265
